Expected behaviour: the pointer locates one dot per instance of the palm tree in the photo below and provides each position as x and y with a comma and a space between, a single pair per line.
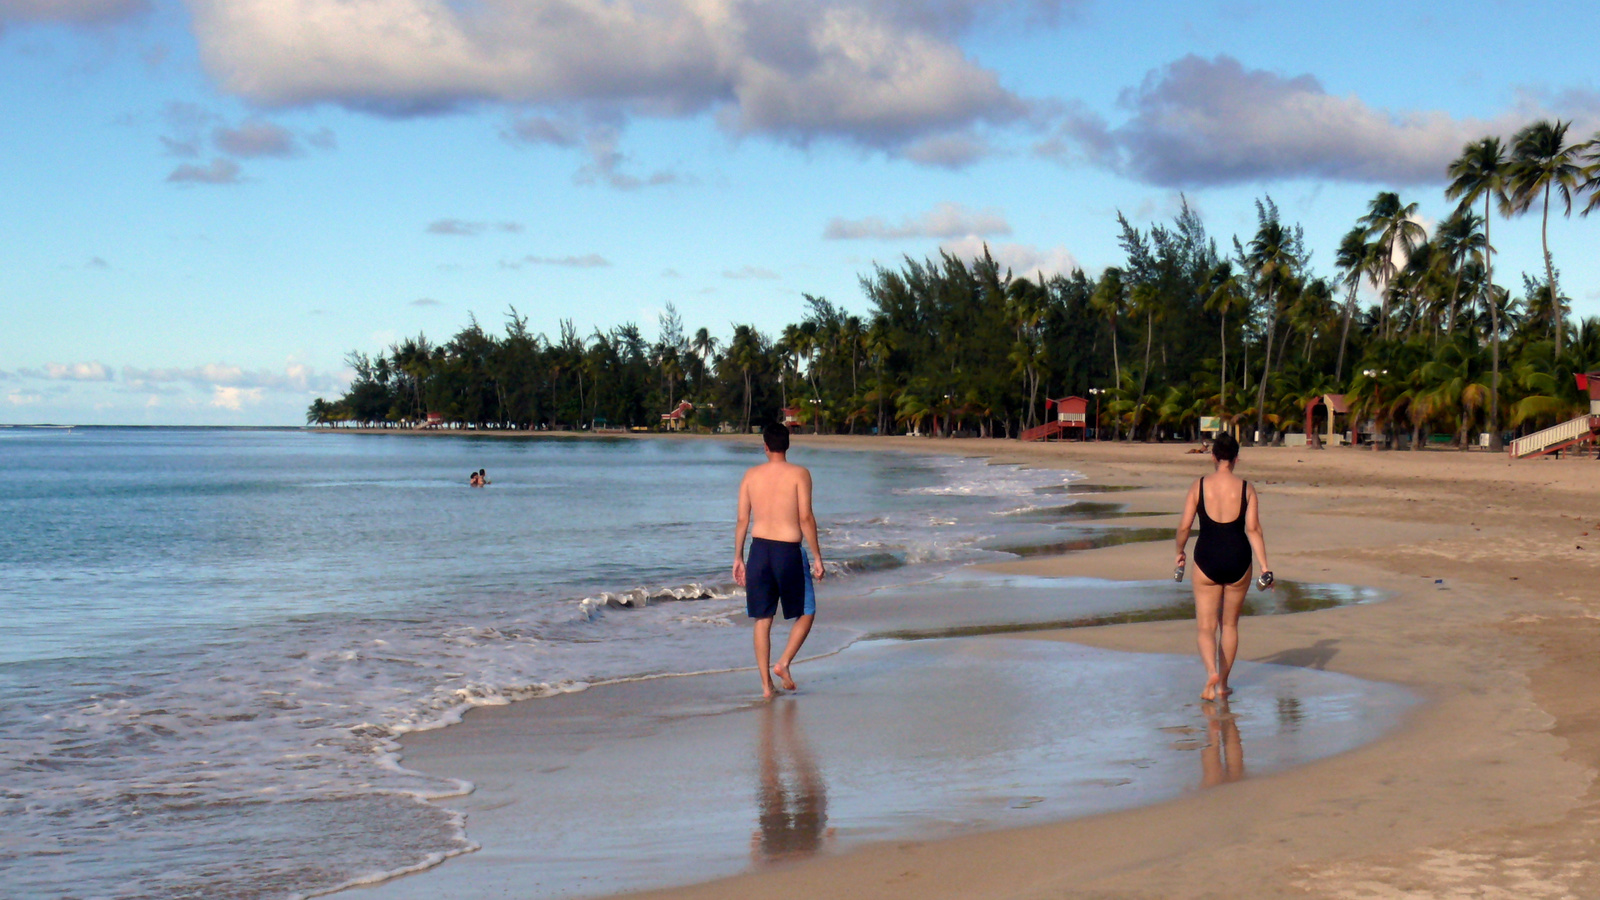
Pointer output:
1542, 160
1391, 222
1461, 241
1354, 259
1222, 294
704, 346
878, 344
1273, 256
1480, 172
1111, 300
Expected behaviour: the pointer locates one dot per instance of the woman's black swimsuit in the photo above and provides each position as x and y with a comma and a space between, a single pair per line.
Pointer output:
1223, 551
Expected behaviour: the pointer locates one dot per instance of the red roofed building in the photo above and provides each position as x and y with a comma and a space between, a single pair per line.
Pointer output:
678, 419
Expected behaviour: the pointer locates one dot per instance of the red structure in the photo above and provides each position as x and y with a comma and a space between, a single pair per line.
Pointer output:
678, 419
1071, 413
791, 416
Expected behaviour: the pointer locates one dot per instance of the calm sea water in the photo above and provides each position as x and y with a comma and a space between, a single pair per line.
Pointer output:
209, 639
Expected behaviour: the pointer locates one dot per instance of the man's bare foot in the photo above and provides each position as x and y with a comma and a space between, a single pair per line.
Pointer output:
767, 693
782, 671
1210, 692
1223, 690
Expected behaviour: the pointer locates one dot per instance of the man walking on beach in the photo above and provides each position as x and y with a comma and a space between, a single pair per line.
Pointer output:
778, 493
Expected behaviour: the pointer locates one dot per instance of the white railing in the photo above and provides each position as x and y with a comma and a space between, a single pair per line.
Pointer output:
1555, 434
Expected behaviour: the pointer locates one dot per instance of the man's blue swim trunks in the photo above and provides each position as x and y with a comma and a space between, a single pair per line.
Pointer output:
775, 574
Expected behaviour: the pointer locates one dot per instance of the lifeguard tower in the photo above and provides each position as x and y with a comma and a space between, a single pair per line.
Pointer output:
1071, 413
1584, 429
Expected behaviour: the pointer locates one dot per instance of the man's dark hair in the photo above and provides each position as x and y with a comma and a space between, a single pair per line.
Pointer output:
776, 437
1225, 448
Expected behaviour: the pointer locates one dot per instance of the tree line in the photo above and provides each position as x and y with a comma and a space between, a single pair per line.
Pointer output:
1181, 328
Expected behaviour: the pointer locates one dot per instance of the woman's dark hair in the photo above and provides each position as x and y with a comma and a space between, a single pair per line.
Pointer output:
1225, 448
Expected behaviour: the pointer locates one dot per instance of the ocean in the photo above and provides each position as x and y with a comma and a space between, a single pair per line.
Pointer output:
212, 638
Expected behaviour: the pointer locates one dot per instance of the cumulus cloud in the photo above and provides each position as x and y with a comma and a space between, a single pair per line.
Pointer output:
220, 171
294, 378
255, 139
19, 397
877, 73
1024, 260
946, 220
234, 398
586, 261
460, 228
1212, 121
745, 273
69, 12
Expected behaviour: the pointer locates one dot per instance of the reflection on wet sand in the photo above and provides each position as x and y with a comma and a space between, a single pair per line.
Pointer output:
1222, 758
791, 796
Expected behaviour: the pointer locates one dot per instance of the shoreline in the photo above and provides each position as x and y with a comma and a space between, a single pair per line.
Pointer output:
1505, 740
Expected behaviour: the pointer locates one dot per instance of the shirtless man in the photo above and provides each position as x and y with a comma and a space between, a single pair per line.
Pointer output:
778, 492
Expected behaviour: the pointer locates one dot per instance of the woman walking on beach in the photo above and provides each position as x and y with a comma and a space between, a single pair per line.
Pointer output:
1222, 557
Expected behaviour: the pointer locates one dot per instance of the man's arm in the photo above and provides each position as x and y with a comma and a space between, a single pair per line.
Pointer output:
740, 530
808, 523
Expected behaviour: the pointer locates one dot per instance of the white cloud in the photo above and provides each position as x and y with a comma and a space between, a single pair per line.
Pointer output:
946, 220
294, 378
19, 397
1212, 121
1024, 260
880, 74
234, 398
424, 301
84, 371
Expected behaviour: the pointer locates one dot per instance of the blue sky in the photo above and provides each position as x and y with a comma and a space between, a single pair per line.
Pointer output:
210, 202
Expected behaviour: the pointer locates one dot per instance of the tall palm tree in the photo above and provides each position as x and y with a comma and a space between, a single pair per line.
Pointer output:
1354, 259
1480, 173
1460, 239
704, 346
1223, 294
1391, 222
1111, 300
1542, 161
1274, 257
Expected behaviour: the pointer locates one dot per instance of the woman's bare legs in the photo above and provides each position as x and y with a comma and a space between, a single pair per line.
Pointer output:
1232, 602
1208, 603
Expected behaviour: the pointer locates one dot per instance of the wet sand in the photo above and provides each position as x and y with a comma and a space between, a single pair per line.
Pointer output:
1487, 790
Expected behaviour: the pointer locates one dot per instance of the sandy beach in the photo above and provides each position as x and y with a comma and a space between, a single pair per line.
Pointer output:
1488, 788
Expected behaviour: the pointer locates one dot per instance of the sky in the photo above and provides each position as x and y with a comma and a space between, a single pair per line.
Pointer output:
209, 203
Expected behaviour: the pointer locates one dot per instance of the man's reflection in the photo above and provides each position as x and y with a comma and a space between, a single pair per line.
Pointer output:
792, 799
1222, 760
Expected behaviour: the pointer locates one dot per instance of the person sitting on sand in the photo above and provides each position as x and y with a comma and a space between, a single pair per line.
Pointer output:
778, 494
1222, 558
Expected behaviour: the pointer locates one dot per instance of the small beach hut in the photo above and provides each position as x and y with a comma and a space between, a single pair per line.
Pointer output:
791, 416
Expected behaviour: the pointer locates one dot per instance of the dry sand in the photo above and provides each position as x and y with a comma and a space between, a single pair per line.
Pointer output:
1487, 792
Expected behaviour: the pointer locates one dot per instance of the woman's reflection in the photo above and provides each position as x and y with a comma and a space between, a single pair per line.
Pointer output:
1222, 760
792, 799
